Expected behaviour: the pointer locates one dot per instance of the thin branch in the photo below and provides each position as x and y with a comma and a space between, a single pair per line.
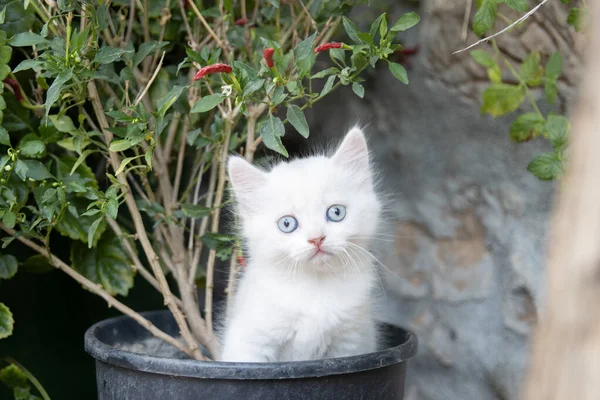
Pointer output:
131, 19
485, 39
212, 182
97, 289
194, 202
210, 267
142, 234
188, 28
137, 264
465, 27
180, 158
171, 136
154, 75
210, 31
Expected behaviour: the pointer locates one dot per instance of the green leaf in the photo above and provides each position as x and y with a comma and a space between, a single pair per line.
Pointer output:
358, 89
325, 72
558, 128
253, 86
124, 164
551, 90
13, 376
24, 39
338, 54
517, 5
271, 132
24, 393
107, 264
351, 30
304, 49
405, 22
5, 56
399, 72
6, 322
576, 18
33, 148
145, 50
554, 66
296, 117
328, 86
485, 17
17, 18
3, 15
195, 211
495, 74
483, 58
120, 145
4, 137
37, 264
546, 166
215, 240
9, 219
526, 127
62, 123
36, 65
531, 71
55, 89
8, 266
77, 176
92, 232
501, 98
375, 26
33, 169
112, 208
207, 103
108, 54
78, 228
164, 103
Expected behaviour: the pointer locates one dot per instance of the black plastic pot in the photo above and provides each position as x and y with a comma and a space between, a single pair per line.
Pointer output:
124, 375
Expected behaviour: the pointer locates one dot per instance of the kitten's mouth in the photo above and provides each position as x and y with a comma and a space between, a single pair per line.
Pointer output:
320, 253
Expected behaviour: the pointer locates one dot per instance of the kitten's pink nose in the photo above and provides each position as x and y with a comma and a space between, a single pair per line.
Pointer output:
317, 242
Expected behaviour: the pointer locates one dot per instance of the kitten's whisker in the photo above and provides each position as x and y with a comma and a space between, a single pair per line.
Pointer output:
379, 281
373, 258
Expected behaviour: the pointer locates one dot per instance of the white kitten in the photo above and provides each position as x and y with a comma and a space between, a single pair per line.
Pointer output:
307, 290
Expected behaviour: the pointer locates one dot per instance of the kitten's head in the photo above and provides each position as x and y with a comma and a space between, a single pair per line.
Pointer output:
312, 212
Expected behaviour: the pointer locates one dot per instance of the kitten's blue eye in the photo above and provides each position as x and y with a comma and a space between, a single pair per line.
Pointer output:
336, 213
287, 224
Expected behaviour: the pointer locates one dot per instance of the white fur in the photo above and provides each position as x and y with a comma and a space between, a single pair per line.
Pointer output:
289, 307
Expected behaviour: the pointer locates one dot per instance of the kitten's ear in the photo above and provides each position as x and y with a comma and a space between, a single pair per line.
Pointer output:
353, 153
244, 178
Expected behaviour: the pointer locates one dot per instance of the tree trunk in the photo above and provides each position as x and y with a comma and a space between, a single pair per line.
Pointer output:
565, 363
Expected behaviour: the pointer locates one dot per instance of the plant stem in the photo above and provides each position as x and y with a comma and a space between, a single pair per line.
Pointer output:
31, 378
147, 87
99, 290
142, 234
212, 182
210, 267
138, 266
210, 31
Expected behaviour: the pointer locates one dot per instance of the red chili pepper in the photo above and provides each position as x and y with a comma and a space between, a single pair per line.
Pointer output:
241, 21
241, 261
212, 69
15, 87
268, 55
327, 46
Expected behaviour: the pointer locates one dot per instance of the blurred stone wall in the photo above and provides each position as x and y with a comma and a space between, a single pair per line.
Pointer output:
466, 262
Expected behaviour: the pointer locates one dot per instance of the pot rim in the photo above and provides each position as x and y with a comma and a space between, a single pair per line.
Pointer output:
109, 354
